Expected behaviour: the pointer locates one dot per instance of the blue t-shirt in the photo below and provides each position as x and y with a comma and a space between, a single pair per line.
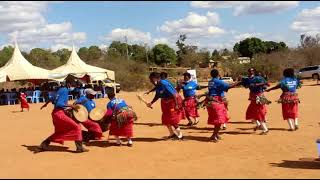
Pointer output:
190, 89
165, 89
217, 87
289, 84
60, 100
248, 83
88, 103
116, 104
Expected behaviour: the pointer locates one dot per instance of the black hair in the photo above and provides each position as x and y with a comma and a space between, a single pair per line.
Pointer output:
111, 95
187, 74
214, 73
163, 75
289, 72
154, 75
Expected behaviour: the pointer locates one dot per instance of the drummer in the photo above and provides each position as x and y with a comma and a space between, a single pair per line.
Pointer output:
65, 128
122, 119
94, 130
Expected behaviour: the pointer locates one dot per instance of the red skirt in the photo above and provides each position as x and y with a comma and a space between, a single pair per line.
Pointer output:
93, 127
171, 116
217, 112
126, 130
190, 107
24, 102
289, 103
256, 111
65, 129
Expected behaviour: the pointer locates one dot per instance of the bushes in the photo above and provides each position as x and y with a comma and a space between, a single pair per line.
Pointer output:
130, 74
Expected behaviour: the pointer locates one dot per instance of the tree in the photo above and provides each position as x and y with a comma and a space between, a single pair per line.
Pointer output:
251, 46
181, 48
43, 58
236, 48
63, 54
119, 47
83, 53
139, 53
5, 54
225, 52
94, 53
163, 54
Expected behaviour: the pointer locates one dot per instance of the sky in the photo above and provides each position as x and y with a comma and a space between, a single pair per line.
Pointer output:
207, 24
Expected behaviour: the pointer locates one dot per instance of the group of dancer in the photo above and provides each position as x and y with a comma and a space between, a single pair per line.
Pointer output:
174, 108
119, 117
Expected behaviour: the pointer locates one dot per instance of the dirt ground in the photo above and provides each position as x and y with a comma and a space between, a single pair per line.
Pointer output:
241, 154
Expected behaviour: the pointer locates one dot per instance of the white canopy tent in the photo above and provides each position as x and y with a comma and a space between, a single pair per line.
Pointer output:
78, 68
18, 68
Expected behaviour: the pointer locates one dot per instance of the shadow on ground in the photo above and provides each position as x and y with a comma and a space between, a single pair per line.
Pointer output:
304, 163
36, 149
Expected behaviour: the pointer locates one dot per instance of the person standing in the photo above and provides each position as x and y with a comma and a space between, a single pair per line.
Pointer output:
122, 119
190, 101
171, 105
94, 129
257, 110
23, 100
65, 128
289, 98
217, 112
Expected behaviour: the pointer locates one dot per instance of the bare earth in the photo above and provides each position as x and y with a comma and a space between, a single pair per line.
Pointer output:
241, 154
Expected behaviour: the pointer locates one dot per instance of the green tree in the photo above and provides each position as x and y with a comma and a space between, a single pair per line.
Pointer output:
120, 47
181, 48
215, 55
83, 53
43, 58
236, 48
94, 53
139, 53
163, 54
63, 54
5, 54
251, 46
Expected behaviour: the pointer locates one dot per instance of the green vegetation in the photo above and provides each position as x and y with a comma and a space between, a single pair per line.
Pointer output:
131, 61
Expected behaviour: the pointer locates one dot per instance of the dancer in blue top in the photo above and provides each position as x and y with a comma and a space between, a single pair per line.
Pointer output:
257, 109
217, 113
171, 105
289, 98
122, 119
66, 129
190, 101
94, 130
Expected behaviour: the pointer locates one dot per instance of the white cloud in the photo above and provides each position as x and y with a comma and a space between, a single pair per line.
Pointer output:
248, 7
160, 41
104, 47
133, 35
25, 22
194, 25
60, 46
307, 21
240, 37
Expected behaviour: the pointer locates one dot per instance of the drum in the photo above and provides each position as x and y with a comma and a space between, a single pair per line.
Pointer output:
80, 113
97, 114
